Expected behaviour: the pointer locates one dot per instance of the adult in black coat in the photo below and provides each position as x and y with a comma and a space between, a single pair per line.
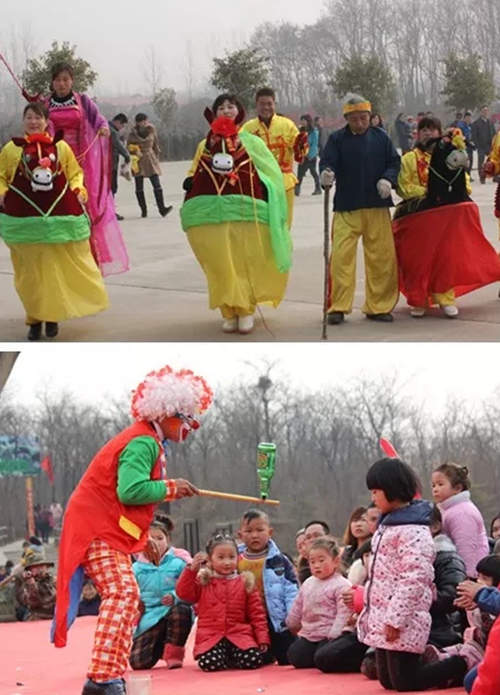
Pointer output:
449, 572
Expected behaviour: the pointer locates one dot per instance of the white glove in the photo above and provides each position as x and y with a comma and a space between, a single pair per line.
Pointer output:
384, 188
327, 178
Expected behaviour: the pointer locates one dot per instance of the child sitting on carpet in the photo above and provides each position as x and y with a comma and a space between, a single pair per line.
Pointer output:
232, 626
165, 622
319, 615
274, 576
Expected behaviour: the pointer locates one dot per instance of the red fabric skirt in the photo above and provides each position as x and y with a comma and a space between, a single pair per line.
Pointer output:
442, 249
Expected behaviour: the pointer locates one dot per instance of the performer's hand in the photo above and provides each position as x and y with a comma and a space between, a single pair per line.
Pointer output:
103, 133
185, 488
488, 168
81, 199
384, 188
348, 598
152, 552
167, 600
327, 178
391, 633
199, 560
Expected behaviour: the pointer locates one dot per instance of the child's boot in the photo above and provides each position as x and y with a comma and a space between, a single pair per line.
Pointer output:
114, 688
174, 656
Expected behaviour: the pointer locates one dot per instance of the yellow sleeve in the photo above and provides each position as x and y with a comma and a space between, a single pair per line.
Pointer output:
292, 133
197, 157
495, 154
71, 168
408, 181
9, 161
468, 187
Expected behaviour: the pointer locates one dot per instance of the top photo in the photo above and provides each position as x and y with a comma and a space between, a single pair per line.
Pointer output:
261, 178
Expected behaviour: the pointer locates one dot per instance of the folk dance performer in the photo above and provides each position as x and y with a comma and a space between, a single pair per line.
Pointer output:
109, 514
361, 159
282, 137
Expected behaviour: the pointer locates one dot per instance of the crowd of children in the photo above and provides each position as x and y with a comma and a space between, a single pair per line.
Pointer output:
409, 596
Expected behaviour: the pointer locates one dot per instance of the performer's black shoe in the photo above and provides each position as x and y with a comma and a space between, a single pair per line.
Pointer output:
336, 318
382, 318
51, 329
35, 332
92, 688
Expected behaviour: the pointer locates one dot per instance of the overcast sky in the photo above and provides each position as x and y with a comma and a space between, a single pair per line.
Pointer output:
92, 371
114, 36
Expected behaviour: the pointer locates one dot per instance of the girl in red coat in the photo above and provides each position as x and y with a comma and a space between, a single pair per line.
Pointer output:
232, 625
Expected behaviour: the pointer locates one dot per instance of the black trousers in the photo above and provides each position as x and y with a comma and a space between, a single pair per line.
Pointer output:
470, 154
139, 183
114, 182
342, 655
481, 156
280, 644
226, 655
309, 165
403, 672
302, 652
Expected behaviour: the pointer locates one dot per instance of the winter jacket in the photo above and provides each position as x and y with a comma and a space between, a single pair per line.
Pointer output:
319, 612
483, 132
403, 132
463, 523
399, 590
149, 163
89, 607
117, 147
487, 681
313, 141
466, 129
488, 600
155, 582
449, 571
227, 607
280, 586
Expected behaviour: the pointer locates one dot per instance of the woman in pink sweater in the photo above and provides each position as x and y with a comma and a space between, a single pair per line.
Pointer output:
318, 614
462, 520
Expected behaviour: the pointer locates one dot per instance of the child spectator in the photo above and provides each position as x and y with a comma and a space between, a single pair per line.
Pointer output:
313, 530
36, 589
355, 535
274, 577
396, 619
449, 572
319, 615
462, 520
232, 624
165, 622
372, 516
90, 601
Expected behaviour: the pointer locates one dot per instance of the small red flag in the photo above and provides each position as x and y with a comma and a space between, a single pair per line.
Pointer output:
46, 466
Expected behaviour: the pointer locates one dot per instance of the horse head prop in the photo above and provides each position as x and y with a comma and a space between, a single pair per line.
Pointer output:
224, 144
39, 161
447, 170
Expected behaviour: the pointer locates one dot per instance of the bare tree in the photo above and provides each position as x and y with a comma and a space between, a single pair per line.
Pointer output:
152, 71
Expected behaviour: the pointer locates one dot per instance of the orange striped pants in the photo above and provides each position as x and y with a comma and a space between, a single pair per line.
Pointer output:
111, 572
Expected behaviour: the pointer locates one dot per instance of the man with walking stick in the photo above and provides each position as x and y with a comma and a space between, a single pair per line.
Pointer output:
361, 159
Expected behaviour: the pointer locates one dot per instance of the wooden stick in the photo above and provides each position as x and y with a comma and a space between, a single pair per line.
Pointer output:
326, 258
238, 498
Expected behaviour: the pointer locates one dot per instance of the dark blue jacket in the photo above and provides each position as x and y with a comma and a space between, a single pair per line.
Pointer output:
488, 600
359, 162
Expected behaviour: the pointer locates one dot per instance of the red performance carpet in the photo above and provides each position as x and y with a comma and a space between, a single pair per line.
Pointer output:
30, 665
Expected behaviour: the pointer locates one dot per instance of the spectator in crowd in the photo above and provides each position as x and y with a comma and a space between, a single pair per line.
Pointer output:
494, 532
319, 615
372, 517
483, 132
356, 533
36, 589
465, 126
404, 133
376, 121
232, 626
3, 573
322, 134
118, 149
310, 162
459, 117
300, 545
91, 601
274, 577
313, 530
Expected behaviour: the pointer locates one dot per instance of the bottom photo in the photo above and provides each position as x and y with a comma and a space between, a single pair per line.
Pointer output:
300, 519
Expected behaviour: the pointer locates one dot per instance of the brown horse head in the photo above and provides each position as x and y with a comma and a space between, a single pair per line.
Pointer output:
39, 159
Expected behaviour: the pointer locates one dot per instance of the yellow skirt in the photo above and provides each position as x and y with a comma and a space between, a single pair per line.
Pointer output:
238, 262
57, 282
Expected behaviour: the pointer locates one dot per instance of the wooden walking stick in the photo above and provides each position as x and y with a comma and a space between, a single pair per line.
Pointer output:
326, 255
238, 498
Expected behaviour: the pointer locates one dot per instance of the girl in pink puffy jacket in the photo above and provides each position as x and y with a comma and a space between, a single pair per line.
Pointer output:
396, 619
462, 520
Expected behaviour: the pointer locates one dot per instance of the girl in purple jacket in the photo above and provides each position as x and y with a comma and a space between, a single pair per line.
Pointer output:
396, 620
462, 520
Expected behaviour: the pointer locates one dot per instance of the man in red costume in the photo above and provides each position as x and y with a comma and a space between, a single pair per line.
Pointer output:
109, 514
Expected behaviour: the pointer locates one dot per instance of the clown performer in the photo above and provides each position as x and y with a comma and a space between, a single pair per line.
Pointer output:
109, 514
282, 137
86, 131
45, 228
235, 217
361, 159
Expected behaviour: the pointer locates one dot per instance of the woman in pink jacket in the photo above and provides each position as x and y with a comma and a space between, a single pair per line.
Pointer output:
462, 520
396, 620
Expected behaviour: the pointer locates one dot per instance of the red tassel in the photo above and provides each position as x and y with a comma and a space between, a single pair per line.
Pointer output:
225, 127
46, 466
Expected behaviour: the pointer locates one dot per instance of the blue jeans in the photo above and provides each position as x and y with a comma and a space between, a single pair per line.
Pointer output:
470, 678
